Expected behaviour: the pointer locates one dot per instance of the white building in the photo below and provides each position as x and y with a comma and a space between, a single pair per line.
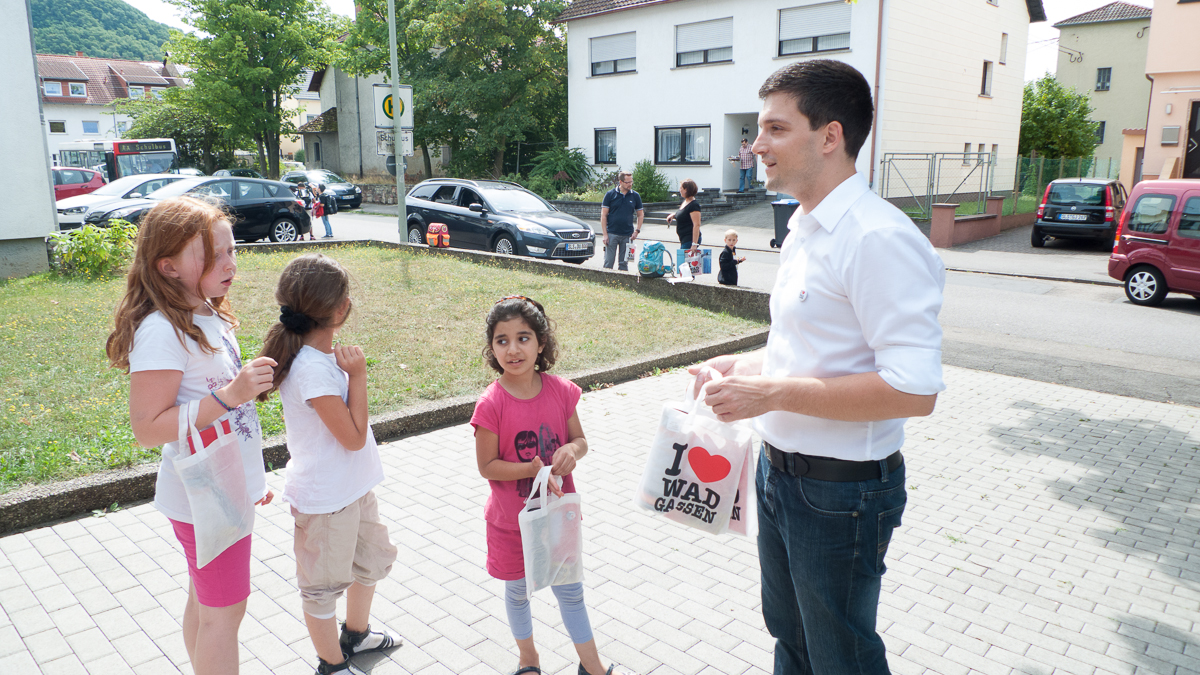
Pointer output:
677, 81
78, 94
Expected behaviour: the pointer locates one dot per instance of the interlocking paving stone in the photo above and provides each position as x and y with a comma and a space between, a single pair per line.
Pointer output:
1048, 530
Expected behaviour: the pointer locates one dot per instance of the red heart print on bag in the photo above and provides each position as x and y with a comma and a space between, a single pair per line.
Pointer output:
708, 468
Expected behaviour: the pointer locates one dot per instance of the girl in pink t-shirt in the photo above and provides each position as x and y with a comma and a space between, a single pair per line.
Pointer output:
525, 420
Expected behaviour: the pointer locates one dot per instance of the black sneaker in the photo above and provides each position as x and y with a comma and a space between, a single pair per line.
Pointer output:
343, 668
367, 641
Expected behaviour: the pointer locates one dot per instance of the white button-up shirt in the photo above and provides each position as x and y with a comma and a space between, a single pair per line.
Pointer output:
859, 290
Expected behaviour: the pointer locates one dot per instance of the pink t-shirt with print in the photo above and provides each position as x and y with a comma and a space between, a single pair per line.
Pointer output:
527, 428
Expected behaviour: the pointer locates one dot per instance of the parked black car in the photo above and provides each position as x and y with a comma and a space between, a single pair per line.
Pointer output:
348, 195
261, 208
497, 216
240, 173
1087, 208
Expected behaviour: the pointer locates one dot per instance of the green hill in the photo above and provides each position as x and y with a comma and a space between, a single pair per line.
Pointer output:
104, 28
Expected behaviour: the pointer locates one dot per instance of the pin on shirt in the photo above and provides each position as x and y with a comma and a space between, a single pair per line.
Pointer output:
803, 295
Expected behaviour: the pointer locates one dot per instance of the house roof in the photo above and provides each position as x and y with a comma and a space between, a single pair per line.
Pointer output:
326, 122
579, 9
107, 79
1113, 11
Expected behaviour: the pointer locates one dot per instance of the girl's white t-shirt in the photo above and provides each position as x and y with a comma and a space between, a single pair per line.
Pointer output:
156, 346
322, 475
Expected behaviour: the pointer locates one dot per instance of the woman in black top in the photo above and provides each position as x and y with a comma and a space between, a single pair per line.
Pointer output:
687, 218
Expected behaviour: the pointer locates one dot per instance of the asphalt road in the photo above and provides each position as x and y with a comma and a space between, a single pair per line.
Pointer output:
1076, 334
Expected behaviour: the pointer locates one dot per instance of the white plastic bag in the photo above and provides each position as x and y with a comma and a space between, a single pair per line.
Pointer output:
551, 536
696, 470
215, 483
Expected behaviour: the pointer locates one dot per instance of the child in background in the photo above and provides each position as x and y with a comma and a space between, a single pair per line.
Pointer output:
174, 336
520, 423
728, 275
340, 543
328, 205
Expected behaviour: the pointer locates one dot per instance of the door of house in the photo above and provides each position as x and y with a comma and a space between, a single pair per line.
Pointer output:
1191, 158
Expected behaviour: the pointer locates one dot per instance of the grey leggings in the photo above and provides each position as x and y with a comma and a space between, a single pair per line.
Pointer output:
570, 604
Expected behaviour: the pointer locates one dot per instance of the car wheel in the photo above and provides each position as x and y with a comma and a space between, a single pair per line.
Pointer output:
414, 234
283, 230
505, 244
1145, 286
1037, 238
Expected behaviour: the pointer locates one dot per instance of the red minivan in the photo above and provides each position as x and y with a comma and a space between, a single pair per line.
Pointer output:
1157, 249
72, 182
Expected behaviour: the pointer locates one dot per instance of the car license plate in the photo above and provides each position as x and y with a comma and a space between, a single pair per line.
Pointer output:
1072, 216
577, 246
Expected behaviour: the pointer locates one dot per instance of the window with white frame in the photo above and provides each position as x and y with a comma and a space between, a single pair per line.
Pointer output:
814, 28
985, 89
91, 127
122, 127
52, 88
137, 92
966, 154
1099, 133
78, 89
614, 53
681, 145
158, 92
704, 42
1103, 79
58, 127
1003, 48
606, 146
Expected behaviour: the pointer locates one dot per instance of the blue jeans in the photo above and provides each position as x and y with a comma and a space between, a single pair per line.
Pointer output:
328, 229
744, 179
821, 546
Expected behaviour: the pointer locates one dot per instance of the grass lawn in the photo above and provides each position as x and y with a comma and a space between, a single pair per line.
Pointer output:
419, 319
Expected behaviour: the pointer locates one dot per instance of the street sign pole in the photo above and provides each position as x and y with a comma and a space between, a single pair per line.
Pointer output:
401, 206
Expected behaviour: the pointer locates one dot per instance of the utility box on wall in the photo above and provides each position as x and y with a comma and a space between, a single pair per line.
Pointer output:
24, 222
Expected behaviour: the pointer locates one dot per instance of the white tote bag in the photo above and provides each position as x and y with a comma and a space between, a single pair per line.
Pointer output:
215, 483
551, 536
696, 470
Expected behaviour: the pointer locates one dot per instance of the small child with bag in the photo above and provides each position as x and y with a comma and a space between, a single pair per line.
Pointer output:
173, 334
521, 421
340, 543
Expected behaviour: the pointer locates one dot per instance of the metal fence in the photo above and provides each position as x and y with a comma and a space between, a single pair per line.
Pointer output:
1033, 174
914, 181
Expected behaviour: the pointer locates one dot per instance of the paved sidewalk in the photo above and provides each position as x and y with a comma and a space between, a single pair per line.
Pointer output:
1049, 530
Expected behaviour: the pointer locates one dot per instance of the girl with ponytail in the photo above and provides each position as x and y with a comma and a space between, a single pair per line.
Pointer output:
340, 543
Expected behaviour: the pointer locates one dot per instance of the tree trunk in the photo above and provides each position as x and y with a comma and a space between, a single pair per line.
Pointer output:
428, 163
498, 162
262, 153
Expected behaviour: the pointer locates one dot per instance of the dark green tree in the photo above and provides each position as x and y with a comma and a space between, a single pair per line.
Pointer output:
201, 140
104, 28
1055, 121
247, 55
485, 73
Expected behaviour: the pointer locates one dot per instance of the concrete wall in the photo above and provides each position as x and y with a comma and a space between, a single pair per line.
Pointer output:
932, 77
74, 116
356, 124
1116, 45
24, 222
1173, 60
723, 96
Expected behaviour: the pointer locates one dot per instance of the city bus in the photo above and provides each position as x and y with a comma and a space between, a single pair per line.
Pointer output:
120, 158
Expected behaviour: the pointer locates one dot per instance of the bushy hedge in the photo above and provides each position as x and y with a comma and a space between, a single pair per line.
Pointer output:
94, 252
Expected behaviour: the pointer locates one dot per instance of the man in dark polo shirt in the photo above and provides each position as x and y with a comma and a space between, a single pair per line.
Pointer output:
616, 220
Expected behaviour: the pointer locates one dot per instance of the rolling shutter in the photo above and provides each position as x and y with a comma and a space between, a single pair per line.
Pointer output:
614, 47
694, 37
829, 18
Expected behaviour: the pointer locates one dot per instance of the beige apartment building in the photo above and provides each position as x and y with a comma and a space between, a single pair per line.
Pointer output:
1103, 53
1172, 141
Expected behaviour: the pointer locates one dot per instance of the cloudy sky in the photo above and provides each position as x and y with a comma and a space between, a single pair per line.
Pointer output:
1042, 54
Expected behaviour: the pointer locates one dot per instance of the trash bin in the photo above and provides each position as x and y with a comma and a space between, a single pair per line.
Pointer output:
784, 208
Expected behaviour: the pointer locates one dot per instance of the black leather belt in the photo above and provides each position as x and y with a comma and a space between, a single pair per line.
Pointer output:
824, 468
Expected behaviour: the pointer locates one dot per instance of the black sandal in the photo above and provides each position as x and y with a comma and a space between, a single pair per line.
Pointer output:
528, 669
583, 671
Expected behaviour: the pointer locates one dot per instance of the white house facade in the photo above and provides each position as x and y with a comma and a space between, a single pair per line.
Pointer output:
677, 81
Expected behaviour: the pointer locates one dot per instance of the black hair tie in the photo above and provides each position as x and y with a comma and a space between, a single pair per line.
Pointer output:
297, 322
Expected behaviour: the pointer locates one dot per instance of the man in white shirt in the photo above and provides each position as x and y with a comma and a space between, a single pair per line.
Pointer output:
854, 350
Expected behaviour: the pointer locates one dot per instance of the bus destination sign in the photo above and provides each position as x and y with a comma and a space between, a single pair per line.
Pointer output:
149, 146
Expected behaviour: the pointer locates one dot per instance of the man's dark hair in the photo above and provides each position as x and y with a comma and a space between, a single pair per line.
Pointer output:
825, 91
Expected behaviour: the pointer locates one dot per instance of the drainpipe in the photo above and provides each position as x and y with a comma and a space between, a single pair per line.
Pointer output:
875, 117
358, 127
1146, 138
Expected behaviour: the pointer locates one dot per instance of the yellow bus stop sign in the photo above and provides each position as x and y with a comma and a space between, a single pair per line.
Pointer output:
386, 111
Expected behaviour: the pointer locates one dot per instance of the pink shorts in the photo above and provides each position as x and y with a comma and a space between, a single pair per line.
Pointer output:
223, 582
505, 558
